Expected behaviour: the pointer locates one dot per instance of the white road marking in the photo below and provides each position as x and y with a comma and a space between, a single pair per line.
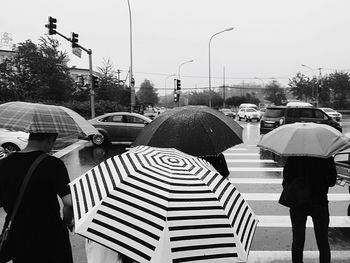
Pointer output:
255, 169
69, 148
250, 161
255, 180
241, 154
236, 149
276, 196
284, 221
285, 256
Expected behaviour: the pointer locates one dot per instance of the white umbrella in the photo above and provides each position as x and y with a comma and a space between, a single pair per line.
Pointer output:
162, 205
305, 139
37, 118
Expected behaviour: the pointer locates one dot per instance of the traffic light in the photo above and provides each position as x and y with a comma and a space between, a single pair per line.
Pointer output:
74, 40
178, 84
52, 26
95, 82
176, 97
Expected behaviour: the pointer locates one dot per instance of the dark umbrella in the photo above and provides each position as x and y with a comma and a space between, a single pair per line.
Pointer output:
195, 130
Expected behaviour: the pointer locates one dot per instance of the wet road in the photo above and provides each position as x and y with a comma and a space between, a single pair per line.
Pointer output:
258, 178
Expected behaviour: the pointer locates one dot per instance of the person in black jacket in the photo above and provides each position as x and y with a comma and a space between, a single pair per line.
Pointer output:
320, 174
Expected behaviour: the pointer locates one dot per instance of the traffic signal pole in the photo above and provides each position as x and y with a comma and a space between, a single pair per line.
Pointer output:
74, 40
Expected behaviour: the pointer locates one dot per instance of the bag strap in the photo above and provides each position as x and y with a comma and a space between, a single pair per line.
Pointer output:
24, 186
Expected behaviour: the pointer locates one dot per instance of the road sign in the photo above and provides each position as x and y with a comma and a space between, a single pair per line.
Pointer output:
77, 51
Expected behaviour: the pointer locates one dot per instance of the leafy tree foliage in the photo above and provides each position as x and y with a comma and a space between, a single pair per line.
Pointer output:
111, 88
275, 93
302, 87
36, 72
338, 83
238, 100
147, 94
202, 98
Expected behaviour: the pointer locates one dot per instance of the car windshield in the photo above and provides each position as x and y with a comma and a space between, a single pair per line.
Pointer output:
274, 113
251, 110
328, 110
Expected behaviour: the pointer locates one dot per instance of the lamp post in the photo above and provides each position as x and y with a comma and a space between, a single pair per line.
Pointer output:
178, 72
178, 76
165, 89
312, 90
131, 76
228, 29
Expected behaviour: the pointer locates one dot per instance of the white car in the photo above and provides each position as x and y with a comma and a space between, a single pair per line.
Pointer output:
332, 113
13, 140
248, 114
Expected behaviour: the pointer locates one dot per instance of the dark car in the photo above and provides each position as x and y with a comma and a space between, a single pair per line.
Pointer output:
121, 127
279, 115
228, 112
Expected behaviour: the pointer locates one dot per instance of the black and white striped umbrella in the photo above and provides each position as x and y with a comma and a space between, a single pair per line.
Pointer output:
162, 205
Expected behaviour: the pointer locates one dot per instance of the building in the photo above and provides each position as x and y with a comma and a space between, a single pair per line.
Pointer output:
4, 54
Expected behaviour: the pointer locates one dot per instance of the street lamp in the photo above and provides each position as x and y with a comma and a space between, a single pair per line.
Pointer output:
312, 88
165, 89
228, 29
131, 76
178, 73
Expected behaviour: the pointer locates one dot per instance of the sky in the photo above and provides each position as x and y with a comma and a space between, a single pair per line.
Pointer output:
271, 39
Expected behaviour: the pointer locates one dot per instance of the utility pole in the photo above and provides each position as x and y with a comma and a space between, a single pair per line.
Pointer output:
223, 92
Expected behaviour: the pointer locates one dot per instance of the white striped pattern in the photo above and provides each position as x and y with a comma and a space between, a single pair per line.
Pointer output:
147, 196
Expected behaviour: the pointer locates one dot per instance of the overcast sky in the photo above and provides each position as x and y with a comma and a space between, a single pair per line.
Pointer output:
271, 38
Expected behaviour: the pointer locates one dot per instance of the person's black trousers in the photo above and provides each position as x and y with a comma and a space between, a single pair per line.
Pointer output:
320, 218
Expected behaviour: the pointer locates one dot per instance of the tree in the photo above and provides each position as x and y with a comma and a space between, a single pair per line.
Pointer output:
338, 84
275, 93
37, 72
147, 94
302, 87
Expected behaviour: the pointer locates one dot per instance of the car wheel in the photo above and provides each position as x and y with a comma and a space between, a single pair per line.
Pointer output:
11, 147
98, 139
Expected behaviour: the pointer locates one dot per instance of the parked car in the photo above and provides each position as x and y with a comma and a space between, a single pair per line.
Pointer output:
342, 164
228, 112
333, 113
121, 127
279, 115
248, 114
13, 140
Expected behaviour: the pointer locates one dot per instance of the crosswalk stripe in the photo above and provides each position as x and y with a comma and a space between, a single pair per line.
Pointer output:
255, 180
285, 256
249, 161
276, 196
284, 221
241, 154
255, 169
236, 149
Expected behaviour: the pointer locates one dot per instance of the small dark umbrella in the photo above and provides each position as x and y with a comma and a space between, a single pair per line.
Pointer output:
195, 130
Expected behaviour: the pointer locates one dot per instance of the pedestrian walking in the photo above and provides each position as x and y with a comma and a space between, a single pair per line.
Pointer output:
317, 175
38, 232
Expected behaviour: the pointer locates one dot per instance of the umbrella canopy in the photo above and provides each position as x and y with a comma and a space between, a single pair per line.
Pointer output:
42, 118
162, 205
195, 130
305, 139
